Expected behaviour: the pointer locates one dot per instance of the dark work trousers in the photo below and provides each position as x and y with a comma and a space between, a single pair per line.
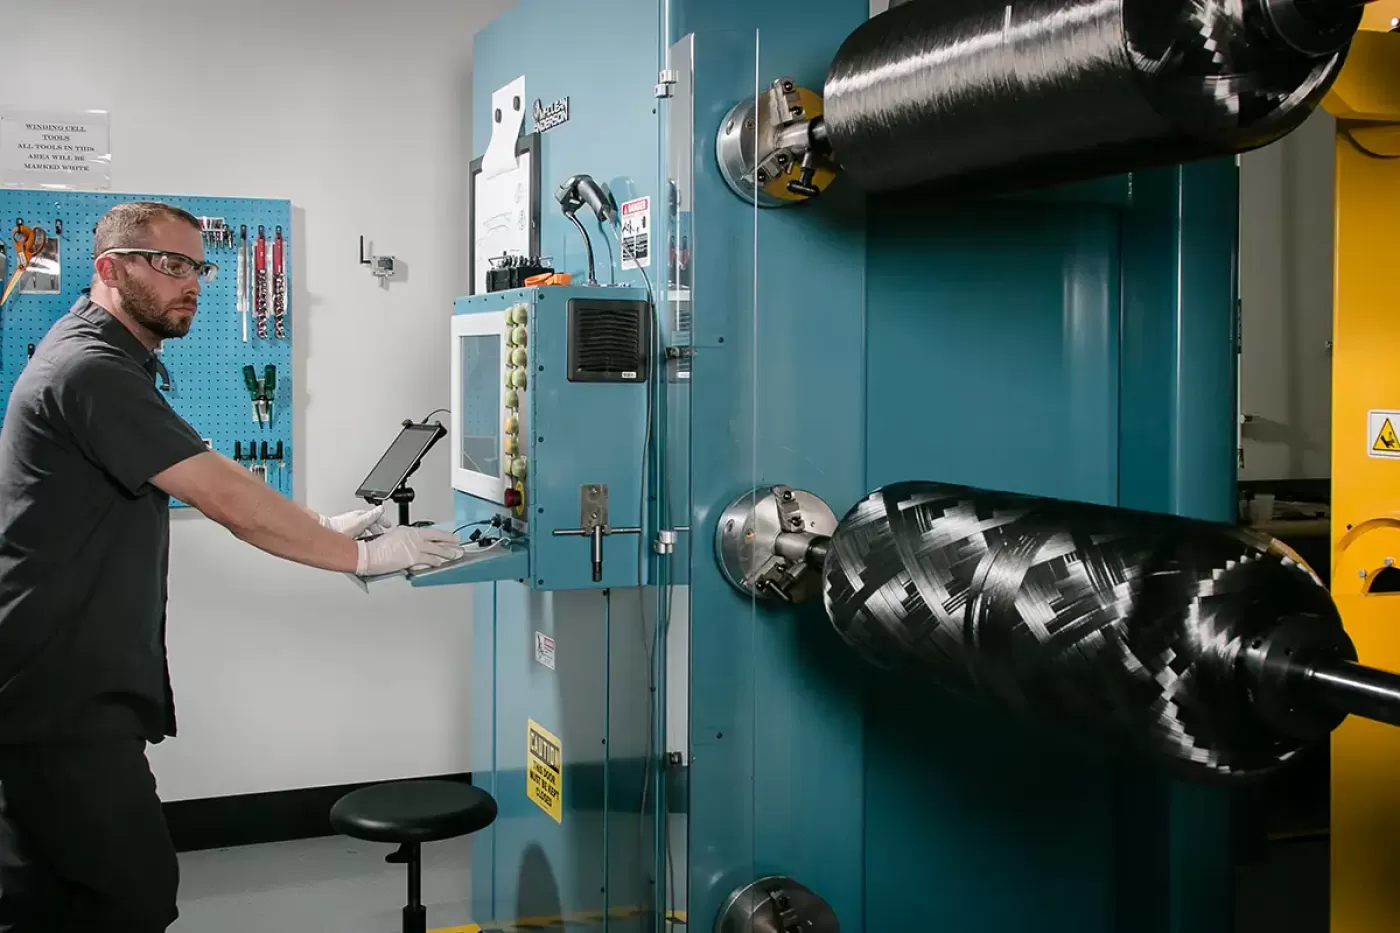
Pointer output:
83, 840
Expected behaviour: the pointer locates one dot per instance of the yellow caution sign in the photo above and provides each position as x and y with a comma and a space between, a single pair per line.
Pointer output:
1380, 432
544, 781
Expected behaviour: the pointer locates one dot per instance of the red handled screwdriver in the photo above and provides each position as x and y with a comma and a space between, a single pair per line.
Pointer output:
279, 287
260, 282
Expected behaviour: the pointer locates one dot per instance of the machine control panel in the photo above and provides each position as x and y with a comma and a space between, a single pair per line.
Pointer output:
517, 379
549, 401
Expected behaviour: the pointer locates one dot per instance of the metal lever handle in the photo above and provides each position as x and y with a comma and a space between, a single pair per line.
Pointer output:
803, 184
597, 533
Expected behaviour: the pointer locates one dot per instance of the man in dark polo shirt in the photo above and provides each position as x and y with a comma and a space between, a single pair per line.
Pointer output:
89, 454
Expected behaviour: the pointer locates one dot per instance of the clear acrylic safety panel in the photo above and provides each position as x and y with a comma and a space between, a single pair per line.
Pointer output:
711, 827
775, 395
676, 308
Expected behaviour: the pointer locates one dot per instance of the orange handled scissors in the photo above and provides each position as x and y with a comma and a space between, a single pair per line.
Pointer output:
29, 241
29, 244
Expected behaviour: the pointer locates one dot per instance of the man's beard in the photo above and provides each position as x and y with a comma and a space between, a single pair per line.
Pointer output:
145, 308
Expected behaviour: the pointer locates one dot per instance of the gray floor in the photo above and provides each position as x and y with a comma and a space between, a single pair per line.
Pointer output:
338, 885
333, 885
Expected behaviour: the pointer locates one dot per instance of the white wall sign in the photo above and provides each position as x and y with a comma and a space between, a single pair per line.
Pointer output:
55, 149
502, 207
636, 233
507, 116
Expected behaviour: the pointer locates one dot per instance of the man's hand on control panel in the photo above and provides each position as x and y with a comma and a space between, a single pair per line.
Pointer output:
406, 547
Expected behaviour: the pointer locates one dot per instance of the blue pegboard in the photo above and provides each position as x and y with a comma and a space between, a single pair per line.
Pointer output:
206, 366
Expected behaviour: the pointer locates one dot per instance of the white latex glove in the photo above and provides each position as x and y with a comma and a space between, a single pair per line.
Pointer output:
357, 523
404, 547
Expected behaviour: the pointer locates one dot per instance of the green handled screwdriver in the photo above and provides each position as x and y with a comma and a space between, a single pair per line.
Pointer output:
269, 391
250, 379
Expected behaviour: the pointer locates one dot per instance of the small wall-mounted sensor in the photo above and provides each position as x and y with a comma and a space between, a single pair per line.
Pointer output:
382, 267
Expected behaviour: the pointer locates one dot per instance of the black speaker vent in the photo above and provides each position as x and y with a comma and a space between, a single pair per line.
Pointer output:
608, 340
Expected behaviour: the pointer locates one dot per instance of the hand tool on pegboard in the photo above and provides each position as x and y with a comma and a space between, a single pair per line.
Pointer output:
255, 394
280, 457
269, 391
29, 244
243, 278
260, 283
279, 287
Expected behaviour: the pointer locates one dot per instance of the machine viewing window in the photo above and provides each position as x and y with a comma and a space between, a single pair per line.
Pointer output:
480, 448
479, 403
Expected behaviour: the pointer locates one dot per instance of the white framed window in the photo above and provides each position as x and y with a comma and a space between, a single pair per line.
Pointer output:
478, 404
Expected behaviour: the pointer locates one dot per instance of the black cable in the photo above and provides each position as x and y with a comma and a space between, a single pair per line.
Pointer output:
437, 411
612, 258
650, 761
587, 245
490, 521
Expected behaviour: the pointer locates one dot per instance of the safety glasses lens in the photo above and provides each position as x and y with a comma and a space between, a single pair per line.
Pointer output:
181, 266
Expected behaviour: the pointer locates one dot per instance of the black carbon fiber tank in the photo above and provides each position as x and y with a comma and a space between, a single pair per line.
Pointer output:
1131, 628
1001, 94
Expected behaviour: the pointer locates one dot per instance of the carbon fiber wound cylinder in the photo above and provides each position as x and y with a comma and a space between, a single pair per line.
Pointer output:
1020, 93
1132, 628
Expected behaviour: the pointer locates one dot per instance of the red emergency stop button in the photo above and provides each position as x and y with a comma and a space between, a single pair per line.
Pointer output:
513, 498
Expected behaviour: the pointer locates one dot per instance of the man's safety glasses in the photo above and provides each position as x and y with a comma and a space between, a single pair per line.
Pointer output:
175, 265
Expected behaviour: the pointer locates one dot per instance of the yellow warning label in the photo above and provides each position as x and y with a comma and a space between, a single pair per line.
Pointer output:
1386, 439
544, 780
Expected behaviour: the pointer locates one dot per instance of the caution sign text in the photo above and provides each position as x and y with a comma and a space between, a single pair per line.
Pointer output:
544, 779
1382, 441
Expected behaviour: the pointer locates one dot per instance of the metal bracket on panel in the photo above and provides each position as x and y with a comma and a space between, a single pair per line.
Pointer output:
776, 904
593, 523
666, 80
769, 539
665, 542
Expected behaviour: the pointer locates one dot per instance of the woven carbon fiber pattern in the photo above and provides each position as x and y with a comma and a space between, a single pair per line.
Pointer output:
1002, 94
1124, 626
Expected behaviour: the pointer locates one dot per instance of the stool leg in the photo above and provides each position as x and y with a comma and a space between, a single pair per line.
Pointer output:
415, 918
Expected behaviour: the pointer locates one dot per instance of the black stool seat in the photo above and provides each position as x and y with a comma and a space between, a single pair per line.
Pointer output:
413, 811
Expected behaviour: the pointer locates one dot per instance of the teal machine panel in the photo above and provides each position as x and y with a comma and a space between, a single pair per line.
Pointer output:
1032, 344
541, 435
576, 656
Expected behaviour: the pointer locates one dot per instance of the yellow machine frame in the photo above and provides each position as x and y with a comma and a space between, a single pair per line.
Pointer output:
1365, 872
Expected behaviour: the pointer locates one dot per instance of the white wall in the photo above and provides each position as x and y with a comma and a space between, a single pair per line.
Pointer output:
1286, 237
359, 112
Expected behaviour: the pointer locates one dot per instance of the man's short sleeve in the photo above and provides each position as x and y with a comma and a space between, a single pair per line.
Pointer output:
119, 420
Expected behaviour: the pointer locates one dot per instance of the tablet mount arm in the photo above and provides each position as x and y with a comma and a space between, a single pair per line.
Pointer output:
403, 496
